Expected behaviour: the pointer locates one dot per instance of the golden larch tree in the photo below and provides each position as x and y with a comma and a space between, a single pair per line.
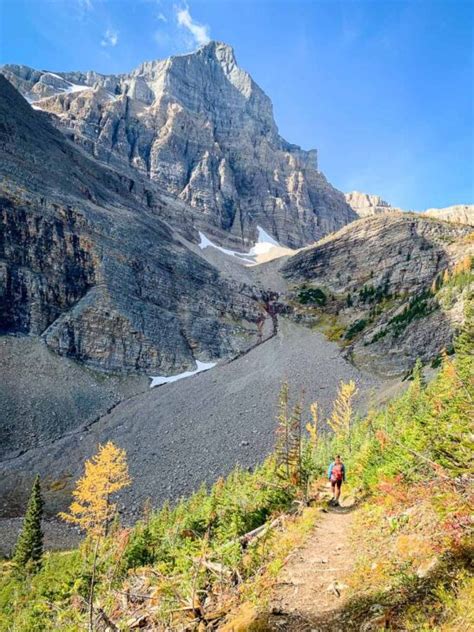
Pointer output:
105, 474
341, 416
313, 426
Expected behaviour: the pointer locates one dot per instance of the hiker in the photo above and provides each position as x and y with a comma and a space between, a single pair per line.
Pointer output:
336, 474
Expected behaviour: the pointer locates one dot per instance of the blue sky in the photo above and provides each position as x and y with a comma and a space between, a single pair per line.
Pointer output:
384, 90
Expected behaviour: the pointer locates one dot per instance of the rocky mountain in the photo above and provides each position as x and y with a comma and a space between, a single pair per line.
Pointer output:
460, 213
130, 207
201, 130
366, 205
86, 264
393, 286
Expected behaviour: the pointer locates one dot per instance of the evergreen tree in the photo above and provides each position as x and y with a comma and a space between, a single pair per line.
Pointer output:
417, 373
29, 546
341, 416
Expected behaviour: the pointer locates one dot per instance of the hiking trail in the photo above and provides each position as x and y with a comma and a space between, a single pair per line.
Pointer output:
312, 588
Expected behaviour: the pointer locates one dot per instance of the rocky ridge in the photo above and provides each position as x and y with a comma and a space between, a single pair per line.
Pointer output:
201, 130
366, 205
382, 283
460, 213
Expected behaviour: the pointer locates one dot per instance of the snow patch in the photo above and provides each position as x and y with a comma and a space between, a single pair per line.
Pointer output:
264, 244
53, 74
206, 243
158, 380
75, 87
265, 238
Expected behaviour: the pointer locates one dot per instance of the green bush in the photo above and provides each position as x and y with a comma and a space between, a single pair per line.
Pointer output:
312, 296
42, 602
232, 507
355, 328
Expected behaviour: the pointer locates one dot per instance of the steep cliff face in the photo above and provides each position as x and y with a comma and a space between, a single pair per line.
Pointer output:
88, 266
201, 129
46, 265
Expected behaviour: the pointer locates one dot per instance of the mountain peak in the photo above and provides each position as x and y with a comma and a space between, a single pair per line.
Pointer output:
200, 128
214, 47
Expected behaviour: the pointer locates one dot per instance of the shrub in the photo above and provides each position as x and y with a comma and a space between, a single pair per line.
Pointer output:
355, 328
312, 296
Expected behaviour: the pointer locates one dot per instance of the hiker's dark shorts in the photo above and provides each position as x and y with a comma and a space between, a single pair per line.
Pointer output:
336, 484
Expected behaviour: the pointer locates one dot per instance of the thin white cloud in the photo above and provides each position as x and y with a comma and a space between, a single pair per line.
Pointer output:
110, 38
199, 32
162, 17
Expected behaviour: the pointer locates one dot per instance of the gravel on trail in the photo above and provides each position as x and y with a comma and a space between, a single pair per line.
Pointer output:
195, 430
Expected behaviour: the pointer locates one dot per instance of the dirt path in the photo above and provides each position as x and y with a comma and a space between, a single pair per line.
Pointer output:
312, 588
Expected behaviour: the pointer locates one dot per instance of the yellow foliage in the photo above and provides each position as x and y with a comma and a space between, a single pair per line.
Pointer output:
413, 545
312, 426
105, 474
462, 266
341, 417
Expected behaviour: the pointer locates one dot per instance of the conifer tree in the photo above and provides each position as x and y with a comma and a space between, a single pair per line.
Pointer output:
105, 474
283, 429
289, 437
417, 374
29, 547
464, 345
92, 510
313, 426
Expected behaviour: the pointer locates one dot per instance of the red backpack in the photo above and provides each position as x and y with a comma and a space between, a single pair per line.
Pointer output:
336, 473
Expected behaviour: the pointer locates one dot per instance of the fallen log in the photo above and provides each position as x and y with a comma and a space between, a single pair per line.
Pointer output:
259, 532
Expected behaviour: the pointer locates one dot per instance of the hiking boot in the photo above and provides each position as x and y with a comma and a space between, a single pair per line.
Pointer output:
332, 502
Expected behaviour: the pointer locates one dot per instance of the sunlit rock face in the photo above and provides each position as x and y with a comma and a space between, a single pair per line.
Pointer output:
203, 131
366, 205
460, 213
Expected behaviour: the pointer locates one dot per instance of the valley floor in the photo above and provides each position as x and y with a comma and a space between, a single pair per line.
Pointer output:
179, 435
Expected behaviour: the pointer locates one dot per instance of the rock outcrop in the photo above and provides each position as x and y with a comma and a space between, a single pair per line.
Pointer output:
201, 130
460, 213
366, 205
403, 250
